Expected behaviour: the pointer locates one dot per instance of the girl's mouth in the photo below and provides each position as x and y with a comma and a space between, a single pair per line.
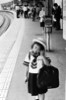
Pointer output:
35, 54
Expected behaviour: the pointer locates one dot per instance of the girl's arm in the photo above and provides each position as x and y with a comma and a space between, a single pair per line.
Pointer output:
27, 74
46, 60
26, 63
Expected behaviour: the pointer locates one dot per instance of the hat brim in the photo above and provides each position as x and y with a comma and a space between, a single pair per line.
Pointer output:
40, 42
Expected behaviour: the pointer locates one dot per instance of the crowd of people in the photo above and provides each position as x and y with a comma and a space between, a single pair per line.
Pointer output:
28, 11
38, 12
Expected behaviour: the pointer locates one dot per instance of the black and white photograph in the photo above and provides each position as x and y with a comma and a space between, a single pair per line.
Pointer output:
32, 49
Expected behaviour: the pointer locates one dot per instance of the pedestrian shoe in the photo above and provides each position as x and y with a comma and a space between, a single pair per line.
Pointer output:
36, 99
57, 28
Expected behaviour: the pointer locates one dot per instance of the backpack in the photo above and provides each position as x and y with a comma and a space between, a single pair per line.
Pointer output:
48, 77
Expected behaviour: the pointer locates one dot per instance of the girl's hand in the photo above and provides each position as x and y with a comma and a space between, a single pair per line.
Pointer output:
26, 79
49, 60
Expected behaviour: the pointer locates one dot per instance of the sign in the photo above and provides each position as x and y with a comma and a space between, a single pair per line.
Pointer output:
48, 25
48, 28
48, 21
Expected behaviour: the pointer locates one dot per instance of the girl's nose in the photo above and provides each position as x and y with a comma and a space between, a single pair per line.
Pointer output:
34, 50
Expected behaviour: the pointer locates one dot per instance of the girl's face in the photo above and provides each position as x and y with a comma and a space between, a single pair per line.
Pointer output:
36, 49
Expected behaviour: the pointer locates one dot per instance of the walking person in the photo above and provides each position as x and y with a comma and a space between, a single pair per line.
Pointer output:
34, 62
53, 17
17, 11
25, 11
57, 15
34, 13
42, 16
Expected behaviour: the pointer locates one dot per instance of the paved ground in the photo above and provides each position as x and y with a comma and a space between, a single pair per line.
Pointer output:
18, 88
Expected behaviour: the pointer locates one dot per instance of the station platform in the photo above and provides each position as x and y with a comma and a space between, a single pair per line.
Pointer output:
18, 40
9, 47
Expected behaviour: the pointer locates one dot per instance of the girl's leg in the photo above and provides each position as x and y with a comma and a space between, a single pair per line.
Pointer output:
42, 96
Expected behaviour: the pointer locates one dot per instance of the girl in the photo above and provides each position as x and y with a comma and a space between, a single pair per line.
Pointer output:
35, 60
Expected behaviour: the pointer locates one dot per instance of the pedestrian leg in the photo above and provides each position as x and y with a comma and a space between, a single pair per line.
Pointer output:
58, 24
44, 35
37, 97
42, 97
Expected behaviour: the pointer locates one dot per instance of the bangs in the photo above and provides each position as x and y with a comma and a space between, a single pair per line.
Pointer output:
40, 45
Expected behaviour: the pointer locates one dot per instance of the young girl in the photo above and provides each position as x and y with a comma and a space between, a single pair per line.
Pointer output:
35, 60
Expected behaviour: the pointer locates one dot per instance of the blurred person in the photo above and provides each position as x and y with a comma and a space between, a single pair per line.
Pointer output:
33, 13
30, 12
53, 17
25, 11
37, 12
57, 15
42, 17
17, 11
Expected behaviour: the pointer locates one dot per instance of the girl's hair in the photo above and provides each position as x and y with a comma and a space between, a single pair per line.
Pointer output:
41, 47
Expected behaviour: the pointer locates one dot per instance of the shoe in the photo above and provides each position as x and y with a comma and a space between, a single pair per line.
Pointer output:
57, 28
36, 99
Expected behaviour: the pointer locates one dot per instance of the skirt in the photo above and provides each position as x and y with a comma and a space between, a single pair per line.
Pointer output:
42, 24
32, 85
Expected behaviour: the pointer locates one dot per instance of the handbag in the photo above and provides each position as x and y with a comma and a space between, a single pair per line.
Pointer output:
48, 76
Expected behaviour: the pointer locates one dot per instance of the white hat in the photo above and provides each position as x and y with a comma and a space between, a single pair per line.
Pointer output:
40, 41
